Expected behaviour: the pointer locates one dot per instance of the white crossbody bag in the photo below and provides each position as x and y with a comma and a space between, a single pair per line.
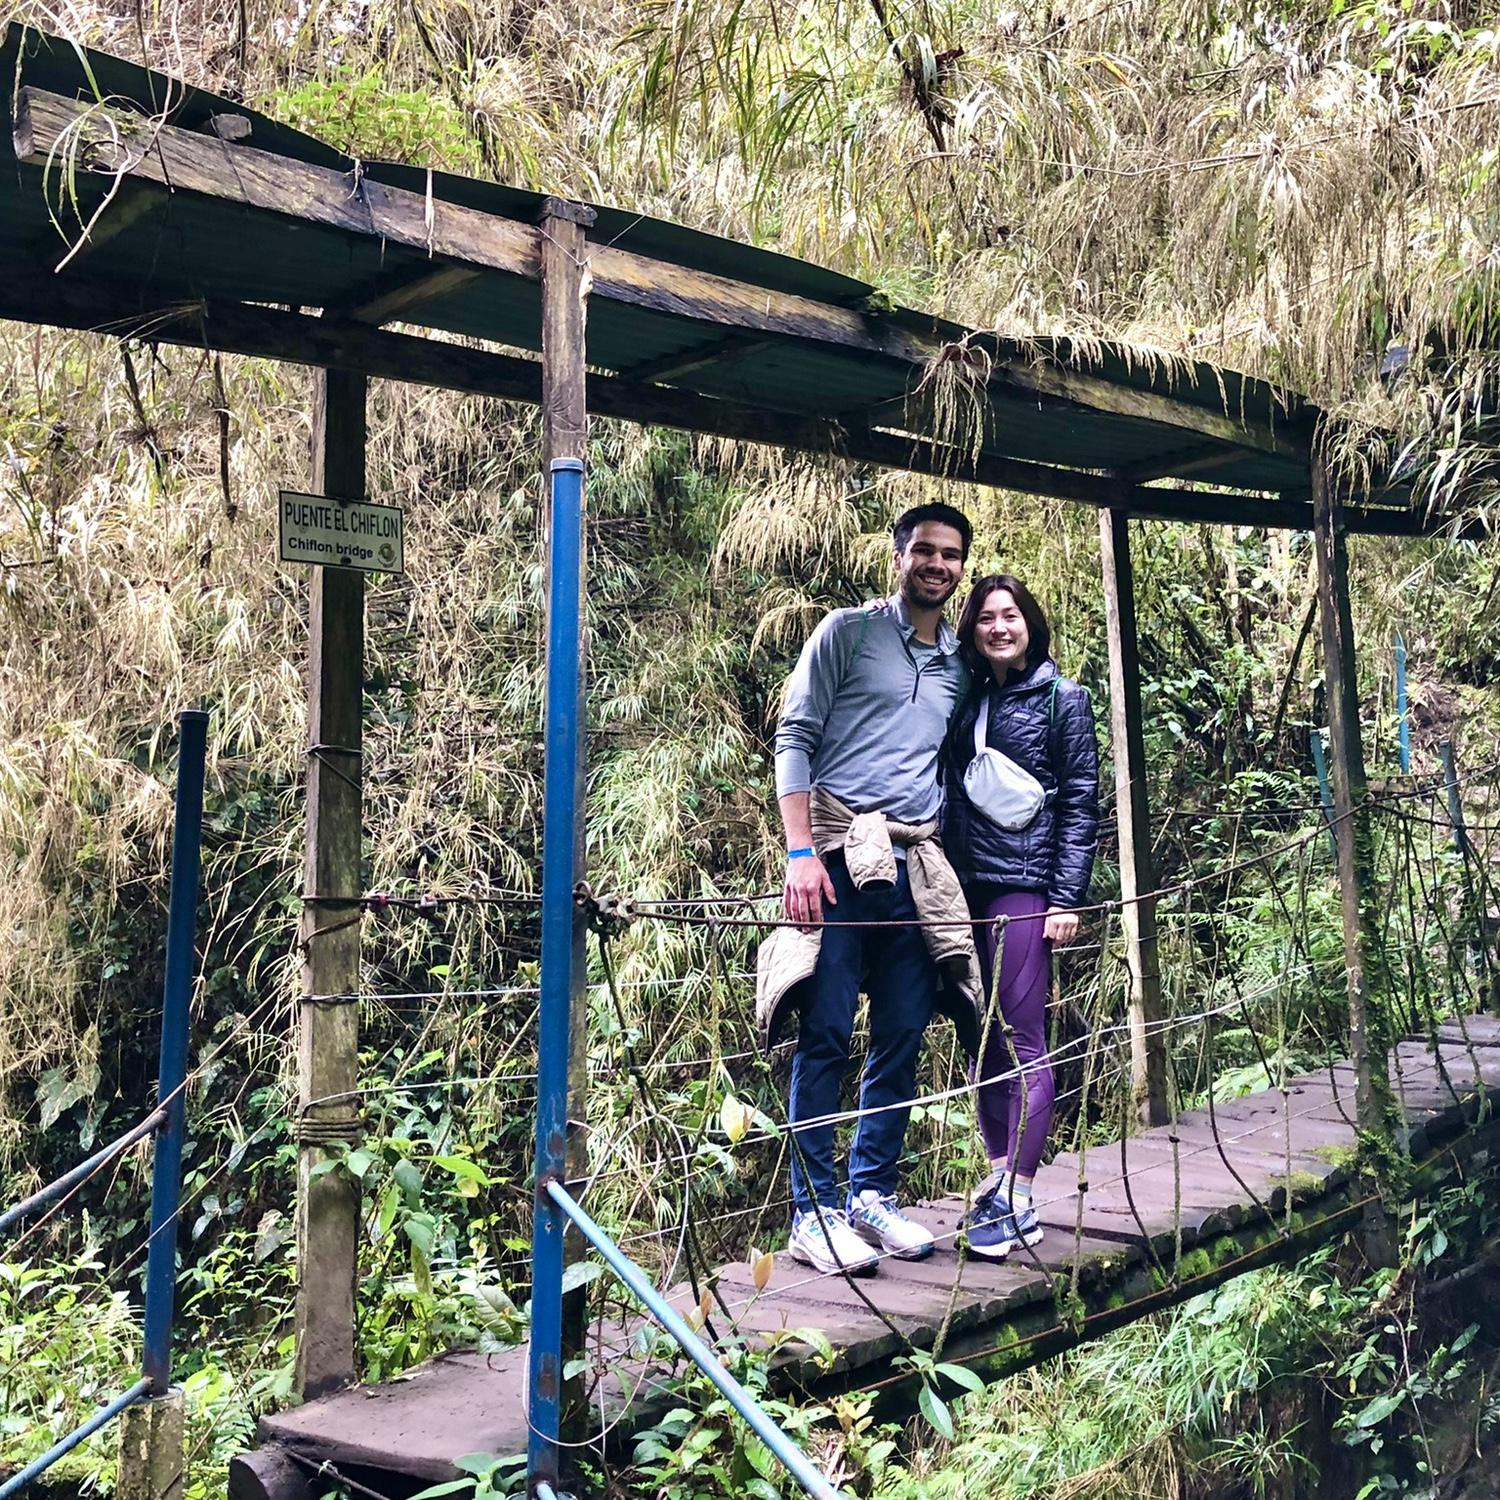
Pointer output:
1004, 792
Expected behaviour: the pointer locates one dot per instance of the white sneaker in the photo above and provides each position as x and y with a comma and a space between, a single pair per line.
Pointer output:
879, 1220
837, 1251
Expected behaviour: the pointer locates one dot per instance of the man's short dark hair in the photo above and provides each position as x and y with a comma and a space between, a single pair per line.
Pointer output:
946, 515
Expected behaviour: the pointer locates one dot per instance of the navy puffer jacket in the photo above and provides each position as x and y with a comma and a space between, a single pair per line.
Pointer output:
1053, 738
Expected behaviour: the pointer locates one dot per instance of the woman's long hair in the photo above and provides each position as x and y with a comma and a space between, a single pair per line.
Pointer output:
1038, 648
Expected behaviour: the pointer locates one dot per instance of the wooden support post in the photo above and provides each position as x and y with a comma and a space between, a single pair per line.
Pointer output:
328, 1030
1148, 1046
1369, 1015
565, 254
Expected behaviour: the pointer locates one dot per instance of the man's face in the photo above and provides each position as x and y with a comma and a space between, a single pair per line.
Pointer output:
932, 565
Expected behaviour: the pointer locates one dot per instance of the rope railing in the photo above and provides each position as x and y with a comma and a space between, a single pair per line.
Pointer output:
431, 902
1206, 1019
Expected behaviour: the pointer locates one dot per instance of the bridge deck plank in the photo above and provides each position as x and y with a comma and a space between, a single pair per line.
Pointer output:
414, 1426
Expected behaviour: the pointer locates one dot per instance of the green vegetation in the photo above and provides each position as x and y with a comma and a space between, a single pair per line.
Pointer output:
1288, 190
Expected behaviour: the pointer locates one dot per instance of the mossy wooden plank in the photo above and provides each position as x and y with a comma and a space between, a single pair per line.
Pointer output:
901, 1298
1480, 1031
417, 1424
1205, 1178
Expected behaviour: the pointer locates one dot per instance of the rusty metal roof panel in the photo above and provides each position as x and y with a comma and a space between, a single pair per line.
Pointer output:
191, 246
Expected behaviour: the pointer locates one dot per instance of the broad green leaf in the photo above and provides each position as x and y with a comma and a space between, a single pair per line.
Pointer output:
409, 1180
270, 1234
420, 1230
580, 1273
960, 1375
462, 1166
759, 1457
935, 1409
1380, 1408
476, 1463
390, 1201
734, 1117
452, 1487
359, 1161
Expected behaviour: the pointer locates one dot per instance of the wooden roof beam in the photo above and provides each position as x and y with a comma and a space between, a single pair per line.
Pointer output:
427, 286
117, 142
1044, 377
330, 343
672, 367
1180, 463
116, 218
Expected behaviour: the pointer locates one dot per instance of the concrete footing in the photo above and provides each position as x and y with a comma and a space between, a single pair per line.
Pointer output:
151, 1449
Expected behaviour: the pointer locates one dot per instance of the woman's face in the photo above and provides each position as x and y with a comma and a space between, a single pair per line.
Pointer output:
1000, 634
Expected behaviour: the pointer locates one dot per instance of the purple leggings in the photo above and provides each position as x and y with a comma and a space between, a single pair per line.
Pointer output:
1024, 983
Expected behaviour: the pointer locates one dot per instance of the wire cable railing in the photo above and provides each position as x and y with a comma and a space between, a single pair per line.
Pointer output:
1431, 933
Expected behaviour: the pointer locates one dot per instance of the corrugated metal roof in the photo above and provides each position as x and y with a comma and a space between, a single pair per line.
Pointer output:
190, 246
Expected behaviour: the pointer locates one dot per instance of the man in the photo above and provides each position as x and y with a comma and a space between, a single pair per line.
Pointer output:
864, 719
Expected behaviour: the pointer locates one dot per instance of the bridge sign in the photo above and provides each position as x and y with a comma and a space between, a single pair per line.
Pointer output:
341, 533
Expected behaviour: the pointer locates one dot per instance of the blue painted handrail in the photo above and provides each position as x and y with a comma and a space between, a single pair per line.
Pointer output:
81, 1173
554, 1204
1325, 790
168, 1119
791, 1456
560, 812
1455, 802
139, 1391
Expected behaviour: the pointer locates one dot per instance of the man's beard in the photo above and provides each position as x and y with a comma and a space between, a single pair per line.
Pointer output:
927, 595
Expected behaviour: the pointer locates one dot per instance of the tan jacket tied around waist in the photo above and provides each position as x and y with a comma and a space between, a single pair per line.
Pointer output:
789, 956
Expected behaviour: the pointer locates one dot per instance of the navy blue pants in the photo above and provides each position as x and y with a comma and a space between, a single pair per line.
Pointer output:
898, 974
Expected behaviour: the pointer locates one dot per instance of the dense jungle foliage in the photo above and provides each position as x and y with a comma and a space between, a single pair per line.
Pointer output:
1306, 191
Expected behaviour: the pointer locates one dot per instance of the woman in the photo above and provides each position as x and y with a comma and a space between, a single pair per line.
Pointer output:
1031, 876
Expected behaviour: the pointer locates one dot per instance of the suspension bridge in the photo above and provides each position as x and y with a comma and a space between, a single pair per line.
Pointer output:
1132, 1227
1134, 1223
188, 218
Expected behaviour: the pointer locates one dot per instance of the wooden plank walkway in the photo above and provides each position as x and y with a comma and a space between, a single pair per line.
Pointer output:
1151, 1236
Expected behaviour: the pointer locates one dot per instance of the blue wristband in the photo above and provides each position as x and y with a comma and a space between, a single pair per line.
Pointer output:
800, 853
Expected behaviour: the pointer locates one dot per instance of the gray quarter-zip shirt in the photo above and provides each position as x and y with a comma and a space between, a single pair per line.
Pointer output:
866, 710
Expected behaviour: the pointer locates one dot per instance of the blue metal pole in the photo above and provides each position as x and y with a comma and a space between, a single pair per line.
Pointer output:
18, 1482
166, 1177
1403, 717
81, 1173
559, 874
792, 1457
1325, 791
1455, 803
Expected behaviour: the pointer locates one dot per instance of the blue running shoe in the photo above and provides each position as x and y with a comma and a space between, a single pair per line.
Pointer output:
1023, 1227
987, 1227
